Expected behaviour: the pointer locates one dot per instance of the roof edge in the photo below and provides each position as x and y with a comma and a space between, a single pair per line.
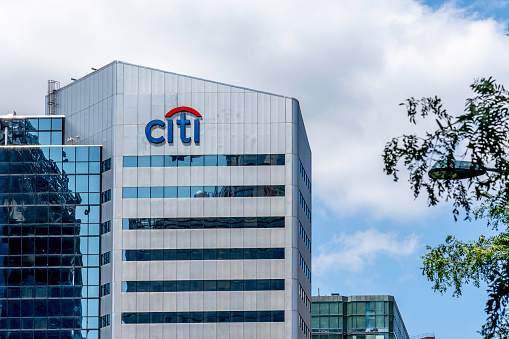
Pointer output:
183, 75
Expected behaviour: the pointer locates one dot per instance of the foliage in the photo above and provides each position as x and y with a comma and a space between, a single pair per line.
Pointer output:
479, 135
486, 260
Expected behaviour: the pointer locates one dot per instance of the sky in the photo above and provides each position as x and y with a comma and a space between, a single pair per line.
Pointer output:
348, 62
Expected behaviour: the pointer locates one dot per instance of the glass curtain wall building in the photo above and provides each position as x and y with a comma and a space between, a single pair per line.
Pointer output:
205, 204
357, 317
50, 232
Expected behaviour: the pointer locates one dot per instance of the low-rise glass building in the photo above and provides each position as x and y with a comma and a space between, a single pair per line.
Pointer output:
356, 317
49, 231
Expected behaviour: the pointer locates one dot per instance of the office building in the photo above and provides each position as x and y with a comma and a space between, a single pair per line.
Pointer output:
196, 204
50, 255
356, 317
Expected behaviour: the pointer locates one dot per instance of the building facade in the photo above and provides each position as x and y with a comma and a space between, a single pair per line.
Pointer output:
50, 202
193, 220
357, 317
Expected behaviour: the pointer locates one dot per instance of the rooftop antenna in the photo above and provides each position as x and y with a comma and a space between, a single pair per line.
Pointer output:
318, 291
53, 87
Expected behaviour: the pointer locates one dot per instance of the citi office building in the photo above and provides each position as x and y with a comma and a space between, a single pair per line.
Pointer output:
205, 206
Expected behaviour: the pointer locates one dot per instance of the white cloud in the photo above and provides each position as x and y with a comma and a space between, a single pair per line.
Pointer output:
357, 251
350, 63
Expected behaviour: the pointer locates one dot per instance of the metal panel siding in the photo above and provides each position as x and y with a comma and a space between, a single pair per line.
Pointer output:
235, 121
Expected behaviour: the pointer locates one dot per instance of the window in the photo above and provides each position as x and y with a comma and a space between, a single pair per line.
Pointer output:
202, 223
105, 258
304, 175
105, 320
304, 327
201, 192
304, 297
203, 254
106, 165
304, 206
105, 289
202, 317
204, 160
203, 285
305, 268
106, 196
304, 237
106, 227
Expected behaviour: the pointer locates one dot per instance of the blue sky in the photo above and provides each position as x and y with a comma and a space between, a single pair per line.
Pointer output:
498, 9
349, 62
397, 272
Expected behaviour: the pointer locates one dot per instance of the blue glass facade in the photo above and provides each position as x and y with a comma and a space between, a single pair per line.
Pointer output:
49, 232
44, 130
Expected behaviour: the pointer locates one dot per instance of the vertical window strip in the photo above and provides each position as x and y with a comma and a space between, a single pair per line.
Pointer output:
106, 196
304, 236
105, 320
105, 258
304, 267
304, 327
105, 227
106, 165
303, 295
105, 289
304, 206
304, 175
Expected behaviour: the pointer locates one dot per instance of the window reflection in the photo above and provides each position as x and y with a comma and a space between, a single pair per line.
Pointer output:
49, 253
201, 191
204, 160
214, 222
202, 317
204, 254
203, 285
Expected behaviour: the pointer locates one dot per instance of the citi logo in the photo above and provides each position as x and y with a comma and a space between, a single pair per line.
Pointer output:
181, 122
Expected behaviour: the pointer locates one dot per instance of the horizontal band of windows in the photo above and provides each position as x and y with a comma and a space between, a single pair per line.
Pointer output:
49, 245
32, 124
32, 138
53, 276
28, 261
67, 199
63, 293
57, 328
51, 154
27, 168
50, 334
204, 285
204, 160
53, 229
28, 308
50, 214
203, 192
46, 183
204, 254
331, 330
202, 223
202, 317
